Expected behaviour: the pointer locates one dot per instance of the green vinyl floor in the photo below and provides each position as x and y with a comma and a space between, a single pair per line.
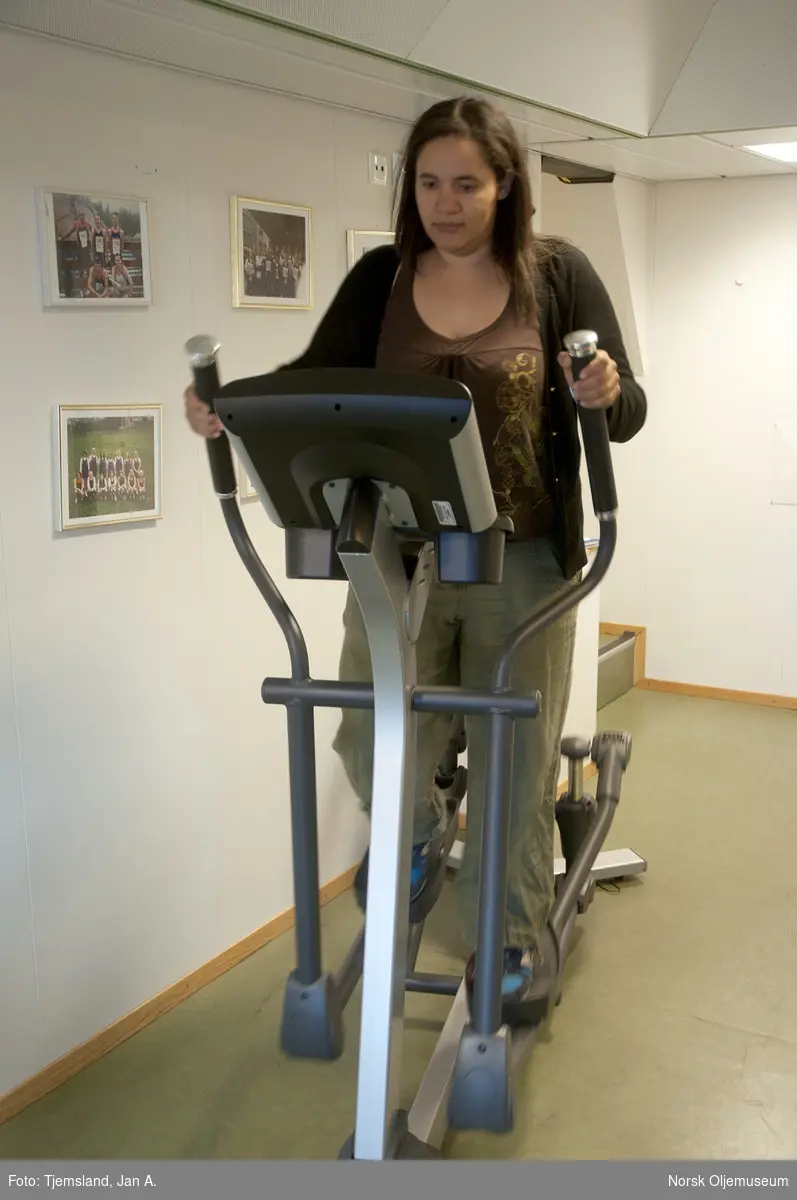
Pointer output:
676, 1037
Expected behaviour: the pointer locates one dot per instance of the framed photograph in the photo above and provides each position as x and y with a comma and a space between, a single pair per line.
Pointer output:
109, 465
272, 254
398, 169
94, 249
246, 489
360, 241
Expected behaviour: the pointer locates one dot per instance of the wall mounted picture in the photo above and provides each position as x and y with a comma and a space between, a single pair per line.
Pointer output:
272, 259
398, 169
94, 249
246, 489
360, 241
109, 465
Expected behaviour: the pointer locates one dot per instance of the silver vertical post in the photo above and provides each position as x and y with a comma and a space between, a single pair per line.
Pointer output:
374, 566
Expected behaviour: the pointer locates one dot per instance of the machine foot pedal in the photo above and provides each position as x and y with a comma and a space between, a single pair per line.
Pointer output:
481, 1089
312, 1019
457, 789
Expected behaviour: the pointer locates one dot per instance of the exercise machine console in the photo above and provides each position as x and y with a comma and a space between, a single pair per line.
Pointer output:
379, 478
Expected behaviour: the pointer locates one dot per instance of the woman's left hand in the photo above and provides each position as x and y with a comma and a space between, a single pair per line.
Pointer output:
598, 384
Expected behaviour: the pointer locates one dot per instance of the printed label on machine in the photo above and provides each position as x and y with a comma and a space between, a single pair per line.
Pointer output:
444, 512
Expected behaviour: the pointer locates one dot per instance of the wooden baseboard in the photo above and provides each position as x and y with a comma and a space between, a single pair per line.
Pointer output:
698, 691
612, 629
617, 629
75, 1060
589, 771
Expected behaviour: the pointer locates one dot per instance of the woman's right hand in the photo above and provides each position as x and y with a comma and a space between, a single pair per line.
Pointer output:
200, 416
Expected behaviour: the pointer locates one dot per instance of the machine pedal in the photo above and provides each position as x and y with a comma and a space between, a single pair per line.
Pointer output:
481, 1088
459, 785
611, 737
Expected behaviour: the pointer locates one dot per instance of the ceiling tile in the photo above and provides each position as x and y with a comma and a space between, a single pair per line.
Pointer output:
741, 72
616, 156
754, 137
737, 79
553, 55
392, 28
704, 154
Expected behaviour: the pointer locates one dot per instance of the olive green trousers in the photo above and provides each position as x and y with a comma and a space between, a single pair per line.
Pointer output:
463, 631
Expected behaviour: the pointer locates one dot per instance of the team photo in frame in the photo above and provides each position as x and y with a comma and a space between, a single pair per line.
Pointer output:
272, 254
108, 465
94, 249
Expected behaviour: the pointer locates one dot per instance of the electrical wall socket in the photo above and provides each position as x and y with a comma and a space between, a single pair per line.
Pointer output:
377, 168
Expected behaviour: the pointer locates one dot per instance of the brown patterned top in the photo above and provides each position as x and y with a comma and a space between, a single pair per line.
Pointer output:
503, 367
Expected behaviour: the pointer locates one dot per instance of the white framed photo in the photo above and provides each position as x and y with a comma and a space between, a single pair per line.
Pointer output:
272, 254
94, 249
109, 465
246, 488
360, 241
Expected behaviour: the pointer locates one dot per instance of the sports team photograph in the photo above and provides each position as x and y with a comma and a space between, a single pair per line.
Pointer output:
272, 255
109, 463
95, 249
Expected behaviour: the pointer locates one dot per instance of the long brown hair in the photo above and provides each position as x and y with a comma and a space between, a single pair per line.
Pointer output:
513, 240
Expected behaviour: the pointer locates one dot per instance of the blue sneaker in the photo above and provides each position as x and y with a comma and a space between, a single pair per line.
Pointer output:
524, 988
518, 971
418, 870
418, 874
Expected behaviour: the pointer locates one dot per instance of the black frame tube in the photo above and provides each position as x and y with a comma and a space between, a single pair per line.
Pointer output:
203, 352
475, 703
433, 985
301, 759
333, 694
414, 944
318, 693
498, 795
570, 598
496, 822
280, 610
304, 833
348, 974
575, 879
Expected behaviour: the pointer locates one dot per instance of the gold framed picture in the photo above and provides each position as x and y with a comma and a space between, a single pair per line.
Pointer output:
272, 254
109, 465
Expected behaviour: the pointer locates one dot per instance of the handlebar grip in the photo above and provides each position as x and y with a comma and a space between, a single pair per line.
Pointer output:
203, 353
582, 347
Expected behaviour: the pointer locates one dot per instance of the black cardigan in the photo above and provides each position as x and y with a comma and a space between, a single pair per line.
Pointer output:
571, 296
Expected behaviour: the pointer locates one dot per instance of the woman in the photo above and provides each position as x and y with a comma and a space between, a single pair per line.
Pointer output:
468, 293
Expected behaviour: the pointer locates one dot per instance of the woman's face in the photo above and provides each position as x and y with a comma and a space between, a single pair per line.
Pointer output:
456, 193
